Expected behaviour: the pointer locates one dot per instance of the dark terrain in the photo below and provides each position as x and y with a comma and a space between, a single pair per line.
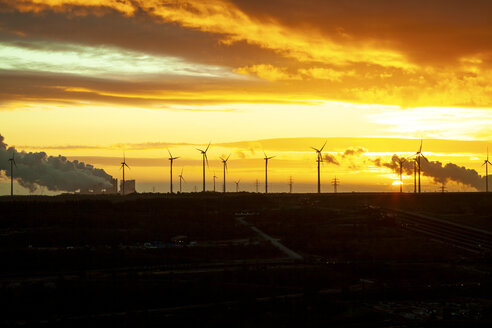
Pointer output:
211, 259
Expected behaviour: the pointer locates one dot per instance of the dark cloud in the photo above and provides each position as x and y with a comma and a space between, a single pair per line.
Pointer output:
435, 31
141, 33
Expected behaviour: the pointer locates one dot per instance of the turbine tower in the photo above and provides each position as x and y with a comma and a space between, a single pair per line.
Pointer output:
237, 185
485, 162
12, 163
215, 177
180, 180
171, 159
418, 155
266, 171
224, 162
401, 160
319, 160
414, 175
204, 159
123, 164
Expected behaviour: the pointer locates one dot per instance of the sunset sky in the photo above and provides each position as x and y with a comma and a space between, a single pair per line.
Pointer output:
90, 79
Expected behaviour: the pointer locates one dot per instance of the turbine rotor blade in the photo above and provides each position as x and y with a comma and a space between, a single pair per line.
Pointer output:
208, 146
228, 157
323, 146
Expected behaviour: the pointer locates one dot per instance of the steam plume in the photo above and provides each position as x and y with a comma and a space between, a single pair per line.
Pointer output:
55, 173
438, 172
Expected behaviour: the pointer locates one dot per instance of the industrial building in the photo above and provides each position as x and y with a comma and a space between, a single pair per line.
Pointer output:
129, 187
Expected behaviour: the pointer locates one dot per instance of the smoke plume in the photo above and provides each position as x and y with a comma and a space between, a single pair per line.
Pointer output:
354, 152
438, 172
55, 173
330, 159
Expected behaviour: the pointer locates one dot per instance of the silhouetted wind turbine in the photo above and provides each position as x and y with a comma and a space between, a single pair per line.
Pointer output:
215, 177
418, 155
171, 159
237, 185
204, 158
401, 160
319, 160
414, 175
180, 180
485, 162
224, 162
123, 164
12, 163
266, 171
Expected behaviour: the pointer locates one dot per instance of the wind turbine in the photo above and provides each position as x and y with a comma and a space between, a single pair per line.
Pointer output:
266, 171
224, 162
12, 163
123, 164
215, 177
180, 180
171, 159
401, 160
204, 158
485, 162
319, 160
418, 155
237, 185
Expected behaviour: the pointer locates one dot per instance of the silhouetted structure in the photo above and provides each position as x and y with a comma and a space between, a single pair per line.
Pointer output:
418, 155
114, 186
414, 175
12, 163
181, 178
122, 186
257, 185
214, 177
486, 162
237, 185
400, 162
319, 159
204, 158
291, 182
224, 162
127, 187
335, 183
266, 171
171, 159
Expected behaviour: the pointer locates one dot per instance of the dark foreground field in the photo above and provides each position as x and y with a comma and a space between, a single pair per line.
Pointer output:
247, 260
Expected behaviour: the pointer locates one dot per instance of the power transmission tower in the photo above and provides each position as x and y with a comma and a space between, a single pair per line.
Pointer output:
335, 182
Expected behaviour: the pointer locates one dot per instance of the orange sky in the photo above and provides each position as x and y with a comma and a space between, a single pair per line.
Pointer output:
88, 79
